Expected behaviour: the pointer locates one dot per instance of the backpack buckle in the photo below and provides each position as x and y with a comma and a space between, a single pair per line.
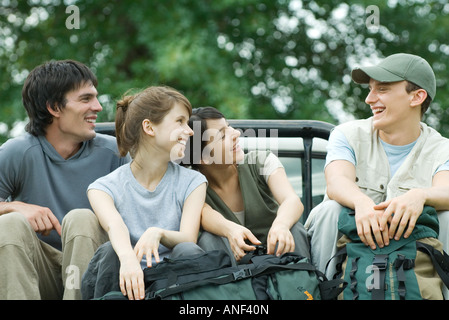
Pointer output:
242, 274
380, 261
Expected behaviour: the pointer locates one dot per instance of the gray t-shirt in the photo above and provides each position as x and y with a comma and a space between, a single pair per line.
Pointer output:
141, 209
32, 171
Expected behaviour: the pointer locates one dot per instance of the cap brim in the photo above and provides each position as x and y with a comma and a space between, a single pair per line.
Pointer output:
363, 75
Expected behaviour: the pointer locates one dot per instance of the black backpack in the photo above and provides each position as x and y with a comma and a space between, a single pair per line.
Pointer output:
210, 276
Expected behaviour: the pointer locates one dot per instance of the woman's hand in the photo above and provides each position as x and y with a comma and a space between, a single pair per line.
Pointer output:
280, 235
148, 245
237, 236
132, 283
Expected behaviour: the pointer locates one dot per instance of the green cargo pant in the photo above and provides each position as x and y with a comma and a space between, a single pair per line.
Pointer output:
32, 269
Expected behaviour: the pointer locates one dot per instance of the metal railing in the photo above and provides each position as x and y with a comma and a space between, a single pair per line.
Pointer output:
305, 129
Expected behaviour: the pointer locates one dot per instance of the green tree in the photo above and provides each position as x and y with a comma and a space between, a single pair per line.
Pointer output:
273, 59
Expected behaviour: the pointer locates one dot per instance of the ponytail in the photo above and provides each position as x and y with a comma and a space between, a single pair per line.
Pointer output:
124, 144
153, 104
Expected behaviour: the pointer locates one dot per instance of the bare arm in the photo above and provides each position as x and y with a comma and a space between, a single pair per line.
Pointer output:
408, 207
289, 211
341, 187
111, 221
131, 274
214, 222
438, 195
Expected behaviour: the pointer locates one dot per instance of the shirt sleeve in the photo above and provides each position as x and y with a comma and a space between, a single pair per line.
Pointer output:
271, 163
103, 184
443, 167
196, 179
10, 173
338, 148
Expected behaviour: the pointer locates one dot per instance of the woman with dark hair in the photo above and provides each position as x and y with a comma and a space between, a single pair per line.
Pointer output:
249, 200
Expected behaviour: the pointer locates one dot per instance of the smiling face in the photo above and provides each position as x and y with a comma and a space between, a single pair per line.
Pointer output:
75, 122
223, 143
172, 133
390, 104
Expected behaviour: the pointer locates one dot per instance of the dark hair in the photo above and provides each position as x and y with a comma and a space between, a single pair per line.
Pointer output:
425, 105
153, 104
47, 85
197, 122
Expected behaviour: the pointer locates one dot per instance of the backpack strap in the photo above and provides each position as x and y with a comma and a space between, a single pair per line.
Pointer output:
380, 261
352, 277
330, 289
217, 280
440, 260
401, 264
340, 256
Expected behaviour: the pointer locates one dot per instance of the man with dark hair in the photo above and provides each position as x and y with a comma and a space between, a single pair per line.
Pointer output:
48, 232
387, 167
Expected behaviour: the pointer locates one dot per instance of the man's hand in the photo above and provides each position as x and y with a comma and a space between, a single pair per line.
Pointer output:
401, 212
341, 187
41, 219
367, 219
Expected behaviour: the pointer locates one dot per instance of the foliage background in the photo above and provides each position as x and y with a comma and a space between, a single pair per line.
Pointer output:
272, 59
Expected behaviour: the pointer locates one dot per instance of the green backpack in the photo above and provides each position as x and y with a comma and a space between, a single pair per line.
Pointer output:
407, 269
210, 276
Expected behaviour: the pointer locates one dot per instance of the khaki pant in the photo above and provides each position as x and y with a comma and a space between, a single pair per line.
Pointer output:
32, 269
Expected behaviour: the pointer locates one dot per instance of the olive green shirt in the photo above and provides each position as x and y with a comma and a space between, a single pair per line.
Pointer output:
259, 204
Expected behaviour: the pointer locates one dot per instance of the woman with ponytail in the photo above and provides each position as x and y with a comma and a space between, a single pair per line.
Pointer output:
151, 207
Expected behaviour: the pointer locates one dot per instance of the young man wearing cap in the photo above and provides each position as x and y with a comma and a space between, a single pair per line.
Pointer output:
391, 163
46, 242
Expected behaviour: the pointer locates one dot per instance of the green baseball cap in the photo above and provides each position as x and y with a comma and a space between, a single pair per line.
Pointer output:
399, 67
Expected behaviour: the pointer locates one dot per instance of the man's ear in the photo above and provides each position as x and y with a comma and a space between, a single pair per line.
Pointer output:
418, 97
147, 127
54, 110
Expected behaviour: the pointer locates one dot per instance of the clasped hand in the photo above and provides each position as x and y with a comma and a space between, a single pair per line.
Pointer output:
389, 219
